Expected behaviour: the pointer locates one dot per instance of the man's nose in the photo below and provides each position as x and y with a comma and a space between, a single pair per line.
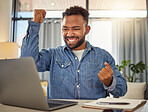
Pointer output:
70, 33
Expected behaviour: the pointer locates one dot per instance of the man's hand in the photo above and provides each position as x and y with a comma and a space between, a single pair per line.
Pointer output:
39, 15
106, 74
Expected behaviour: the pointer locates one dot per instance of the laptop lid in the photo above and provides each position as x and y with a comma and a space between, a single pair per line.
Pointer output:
20, 84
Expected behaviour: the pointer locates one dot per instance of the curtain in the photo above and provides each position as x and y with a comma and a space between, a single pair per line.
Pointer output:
50, 37
129, 41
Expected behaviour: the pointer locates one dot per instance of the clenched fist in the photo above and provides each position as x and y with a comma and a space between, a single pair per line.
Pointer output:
39, 15
106, 74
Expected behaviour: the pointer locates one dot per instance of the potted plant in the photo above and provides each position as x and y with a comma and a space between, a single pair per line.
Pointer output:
134, 90
134, 70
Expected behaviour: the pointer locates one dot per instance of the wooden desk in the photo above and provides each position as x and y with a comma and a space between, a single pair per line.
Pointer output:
76, 108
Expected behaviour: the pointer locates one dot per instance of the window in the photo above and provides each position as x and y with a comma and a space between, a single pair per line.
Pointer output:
101, 34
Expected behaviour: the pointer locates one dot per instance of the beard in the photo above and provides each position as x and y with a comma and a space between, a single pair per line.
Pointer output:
73, 46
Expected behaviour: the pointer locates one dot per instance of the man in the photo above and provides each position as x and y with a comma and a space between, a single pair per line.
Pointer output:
78, 70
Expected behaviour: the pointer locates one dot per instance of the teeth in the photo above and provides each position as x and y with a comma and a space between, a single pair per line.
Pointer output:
71, 40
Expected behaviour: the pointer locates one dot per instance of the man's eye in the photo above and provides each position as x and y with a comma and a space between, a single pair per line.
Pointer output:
76, 29
64, 29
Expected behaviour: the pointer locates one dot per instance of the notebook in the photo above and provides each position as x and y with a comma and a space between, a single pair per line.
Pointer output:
20, 86
129, 105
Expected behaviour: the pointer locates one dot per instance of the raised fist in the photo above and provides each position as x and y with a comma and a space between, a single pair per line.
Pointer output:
39, 15
106, 74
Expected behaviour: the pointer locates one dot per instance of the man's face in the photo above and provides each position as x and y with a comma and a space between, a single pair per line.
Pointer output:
74, 30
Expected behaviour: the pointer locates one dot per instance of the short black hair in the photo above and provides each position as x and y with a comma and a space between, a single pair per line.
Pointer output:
77, 10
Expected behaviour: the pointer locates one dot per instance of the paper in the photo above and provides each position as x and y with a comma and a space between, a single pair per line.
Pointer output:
133, 103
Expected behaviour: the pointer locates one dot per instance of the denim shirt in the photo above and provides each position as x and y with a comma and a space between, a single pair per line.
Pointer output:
70, 78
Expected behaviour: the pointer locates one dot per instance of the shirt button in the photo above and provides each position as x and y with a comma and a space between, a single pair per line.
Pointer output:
78, 86
78, 71
76, 58
62, 65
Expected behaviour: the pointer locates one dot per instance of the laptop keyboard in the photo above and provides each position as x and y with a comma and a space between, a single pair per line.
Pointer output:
53, 104
59, 103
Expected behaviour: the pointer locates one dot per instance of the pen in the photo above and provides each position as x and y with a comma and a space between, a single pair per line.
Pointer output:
113, 103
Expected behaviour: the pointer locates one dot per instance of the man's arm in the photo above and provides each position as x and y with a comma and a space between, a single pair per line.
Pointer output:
119, 85
112, 78
30, 44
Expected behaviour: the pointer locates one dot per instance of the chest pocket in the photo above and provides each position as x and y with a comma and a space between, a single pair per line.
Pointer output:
63, 64
61, 71
94, 65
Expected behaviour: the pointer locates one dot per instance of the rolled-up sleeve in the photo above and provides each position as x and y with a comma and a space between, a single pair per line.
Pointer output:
112, 86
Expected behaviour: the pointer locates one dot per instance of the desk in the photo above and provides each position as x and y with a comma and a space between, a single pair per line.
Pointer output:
75, 108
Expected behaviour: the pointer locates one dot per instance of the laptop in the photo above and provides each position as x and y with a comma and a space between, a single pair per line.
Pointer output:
20, 86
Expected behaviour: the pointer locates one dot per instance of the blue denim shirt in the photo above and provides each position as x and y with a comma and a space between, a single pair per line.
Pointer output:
69, 78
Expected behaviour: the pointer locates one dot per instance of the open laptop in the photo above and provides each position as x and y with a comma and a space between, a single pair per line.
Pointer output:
20, 86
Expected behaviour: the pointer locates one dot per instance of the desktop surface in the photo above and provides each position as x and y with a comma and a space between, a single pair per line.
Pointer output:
75, 108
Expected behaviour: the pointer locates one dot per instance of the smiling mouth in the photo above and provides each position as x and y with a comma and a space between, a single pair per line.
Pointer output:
71, 39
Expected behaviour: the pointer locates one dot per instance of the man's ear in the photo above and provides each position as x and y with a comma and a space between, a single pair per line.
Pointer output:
87, 30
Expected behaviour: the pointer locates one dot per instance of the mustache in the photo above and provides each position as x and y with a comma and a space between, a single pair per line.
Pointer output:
66, 37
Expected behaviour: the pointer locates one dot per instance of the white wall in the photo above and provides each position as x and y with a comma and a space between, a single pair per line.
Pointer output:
5, 20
